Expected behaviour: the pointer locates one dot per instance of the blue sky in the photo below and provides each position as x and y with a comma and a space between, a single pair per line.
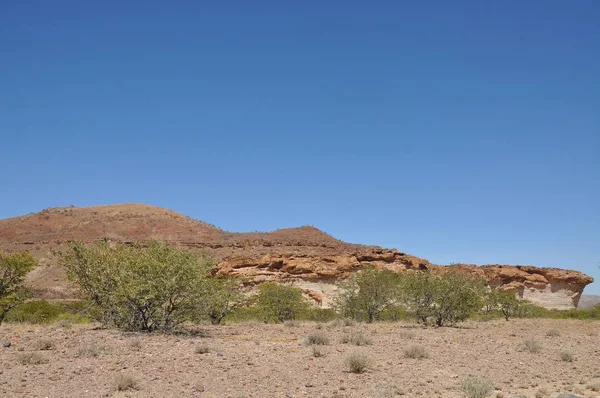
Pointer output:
462, 131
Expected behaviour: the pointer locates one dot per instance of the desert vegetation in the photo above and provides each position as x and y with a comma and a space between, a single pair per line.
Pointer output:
13, 269
205, 323
154, 286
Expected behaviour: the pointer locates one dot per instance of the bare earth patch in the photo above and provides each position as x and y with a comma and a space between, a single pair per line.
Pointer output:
257, 360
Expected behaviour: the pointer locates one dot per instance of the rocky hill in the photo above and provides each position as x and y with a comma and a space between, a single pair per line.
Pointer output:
306, 256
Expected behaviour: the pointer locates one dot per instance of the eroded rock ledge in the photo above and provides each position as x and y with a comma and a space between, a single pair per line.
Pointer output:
306, 256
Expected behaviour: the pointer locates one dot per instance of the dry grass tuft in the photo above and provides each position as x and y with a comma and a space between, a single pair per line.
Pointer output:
202, 349
357, 362
31, 358
533, 346
566, 356
416, 352
476, 387
90, 351
43, 345
356, 337
317, 339
125, 383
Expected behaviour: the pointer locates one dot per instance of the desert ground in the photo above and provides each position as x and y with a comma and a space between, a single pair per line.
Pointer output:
258, 360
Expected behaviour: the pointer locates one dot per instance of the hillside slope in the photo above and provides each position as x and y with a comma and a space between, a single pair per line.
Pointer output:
306, 256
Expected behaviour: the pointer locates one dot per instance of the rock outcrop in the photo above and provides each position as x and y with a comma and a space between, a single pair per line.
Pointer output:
306, 256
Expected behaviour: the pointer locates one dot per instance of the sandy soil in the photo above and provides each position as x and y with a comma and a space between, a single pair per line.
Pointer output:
256, 360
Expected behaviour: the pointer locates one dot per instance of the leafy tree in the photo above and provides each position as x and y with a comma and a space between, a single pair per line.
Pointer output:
508, 303
143, 286
278, 303
222, 297
444, 298
13, 269
367, 294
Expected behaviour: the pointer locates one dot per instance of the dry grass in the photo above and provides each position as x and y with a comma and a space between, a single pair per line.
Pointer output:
43, 345
317, 339
318, 351
553, 333
92, 350
357, 362
202, 349
356, 337
532, 345
274, 361
566, 356
476, 387
416, 352
125, 383
31, 358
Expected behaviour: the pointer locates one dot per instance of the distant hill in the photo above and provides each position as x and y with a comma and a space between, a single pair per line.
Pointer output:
588, 301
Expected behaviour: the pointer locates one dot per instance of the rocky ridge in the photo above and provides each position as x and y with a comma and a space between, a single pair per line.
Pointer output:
305, 256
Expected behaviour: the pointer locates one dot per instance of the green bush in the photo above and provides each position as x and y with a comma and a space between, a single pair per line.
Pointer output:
278, 303
35, 312
442, 298
13, 269
367, 294
221, 298
318, 314
143, 286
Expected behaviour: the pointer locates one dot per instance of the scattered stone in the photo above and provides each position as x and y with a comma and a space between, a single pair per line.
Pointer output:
567, 395
7, 344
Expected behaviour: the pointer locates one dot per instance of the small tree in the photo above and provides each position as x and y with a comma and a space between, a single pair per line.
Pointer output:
445, 298
278, 303
508, 303
419, 293
367, 293
222, 297
13, 269
144, 286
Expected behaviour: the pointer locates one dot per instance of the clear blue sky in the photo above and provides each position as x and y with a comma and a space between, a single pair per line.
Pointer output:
460, 131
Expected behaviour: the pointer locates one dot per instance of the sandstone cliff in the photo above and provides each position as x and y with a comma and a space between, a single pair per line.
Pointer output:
306, 256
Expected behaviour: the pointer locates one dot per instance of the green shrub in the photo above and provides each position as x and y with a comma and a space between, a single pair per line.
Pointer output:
278, 303
319, 314
442, 298
243, 314
367, 294
221, 297
67, 317
40, 311
553, 333
143, 286
13, 269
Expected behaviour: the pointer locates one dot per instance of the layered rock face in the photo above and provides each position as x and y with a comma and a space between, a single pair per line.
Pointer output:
305, 256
